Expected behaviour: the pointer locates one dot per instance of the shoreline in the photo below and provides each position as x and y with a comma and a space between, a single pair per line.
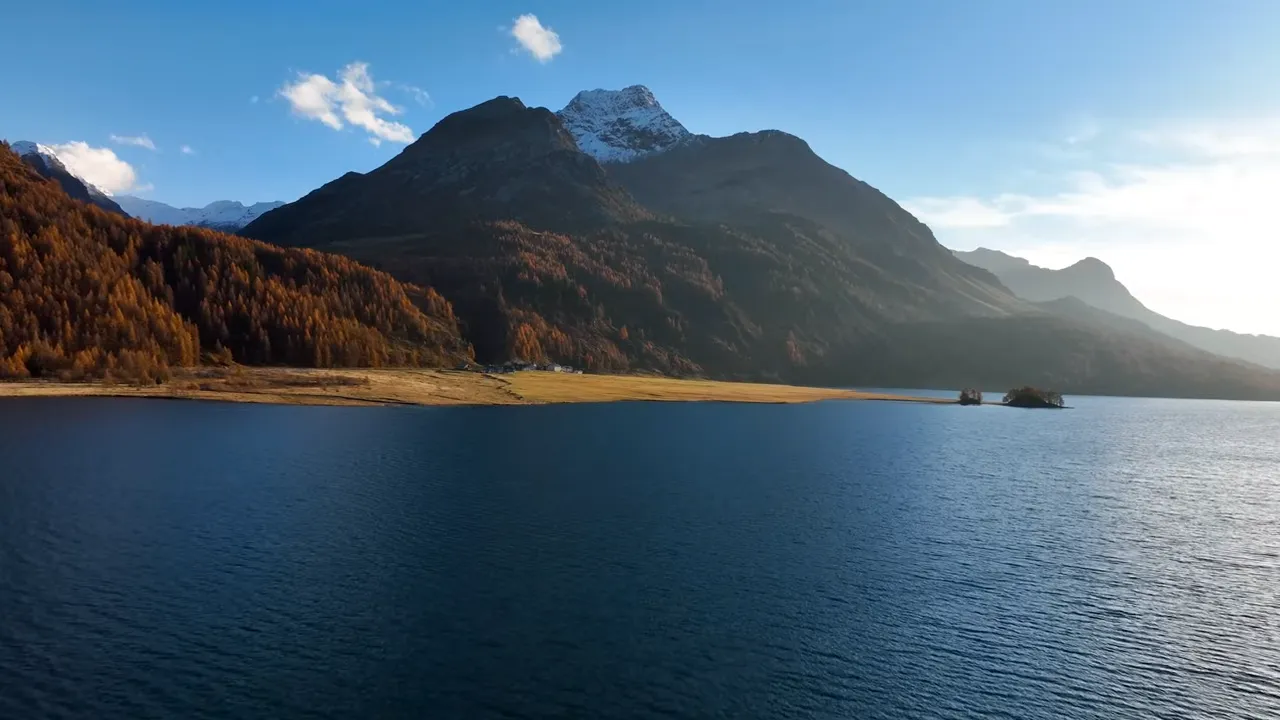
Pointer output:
422, 387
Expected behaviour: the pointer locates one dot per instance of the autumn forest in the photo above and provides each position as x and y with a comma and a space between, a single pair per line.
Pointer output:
92, 294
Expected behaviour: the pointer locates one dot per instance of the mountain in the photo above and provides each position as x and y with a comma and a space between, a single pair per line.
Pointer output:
739, 257
621, 125
224, 215
744, 177
498, 208
91, 293
45, 161
1094, 282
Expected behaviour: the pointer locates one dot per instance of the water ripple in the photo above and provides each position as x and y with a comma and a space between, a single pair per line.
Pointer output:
833, 560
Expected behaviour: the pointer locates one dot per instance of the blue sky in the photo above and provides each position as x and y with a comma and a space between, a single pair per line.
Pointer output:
1134, 131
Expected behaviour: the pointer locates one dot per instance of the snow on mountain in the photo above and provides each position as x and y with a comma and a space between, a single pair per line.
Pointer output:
621, 125
226, 215
26, 148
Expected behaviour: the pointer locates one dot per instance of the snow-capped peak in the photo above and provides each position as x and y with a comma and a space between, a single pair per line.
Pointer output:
621, 125
227, 215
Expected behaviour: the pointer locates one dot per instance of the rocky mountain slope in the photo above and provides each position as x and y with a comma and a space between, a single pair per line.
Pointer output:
223, 215
45, 161
621, 125
740, 257
1094, 282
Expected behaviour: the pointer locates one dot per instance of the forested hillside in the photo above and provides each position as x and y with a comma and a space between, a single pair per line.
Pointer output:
84, 292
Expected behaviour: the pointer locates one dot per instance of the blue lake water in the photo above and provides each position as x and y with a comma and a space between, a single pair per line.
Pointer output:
834, 560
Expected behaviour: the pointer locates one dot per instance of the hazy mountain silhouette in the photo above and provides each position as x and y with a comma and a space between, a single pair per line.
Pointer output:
1093, 281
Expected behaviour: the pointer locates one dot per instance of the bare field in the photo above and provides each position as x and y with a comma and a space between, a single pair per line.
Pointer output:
543, 387
297, 386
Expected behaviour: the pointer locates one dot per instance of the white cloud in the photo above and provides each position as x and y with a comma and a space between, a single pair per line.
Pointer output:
139, 140
188, 150
541, 42
350, 100
1190, 231
98, 166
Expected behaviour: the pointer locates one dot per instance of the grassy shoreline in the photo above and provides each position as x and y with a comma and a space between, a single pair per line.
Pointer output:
299, 386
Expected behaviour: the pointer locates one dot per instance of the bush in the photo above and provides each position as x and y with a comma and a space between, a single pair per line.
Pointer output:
1033, 397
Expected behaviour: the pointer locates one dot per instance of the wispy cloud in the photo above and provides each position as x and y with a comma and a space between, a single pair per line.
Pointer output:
138, 140
959, 212
253, 99
419, 95
541, 42
1082, 130
98, 166
188, 150
352, 99
1185, 213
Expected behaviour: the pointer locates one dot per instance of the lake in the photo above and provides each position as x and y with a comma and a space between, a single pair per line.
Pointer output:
834, 560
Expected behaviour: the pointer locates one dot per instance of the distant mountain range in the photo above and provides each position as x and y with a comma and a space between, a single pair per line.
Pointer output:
1094, 282
44, 160
224, 215
608, 236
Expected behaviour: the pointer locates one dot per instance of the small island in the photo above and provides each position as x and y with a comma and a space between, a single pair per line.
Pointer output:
1029, 397
970, 396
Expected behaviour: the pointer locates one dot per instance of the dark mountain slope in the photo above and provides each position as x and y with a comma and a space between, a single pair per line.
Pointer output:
1093, 281
83, 291
735, 179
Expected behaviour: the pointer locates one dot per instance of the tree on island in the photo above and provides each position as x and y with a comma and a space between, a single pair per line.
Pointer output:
1030, 397
969, 396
